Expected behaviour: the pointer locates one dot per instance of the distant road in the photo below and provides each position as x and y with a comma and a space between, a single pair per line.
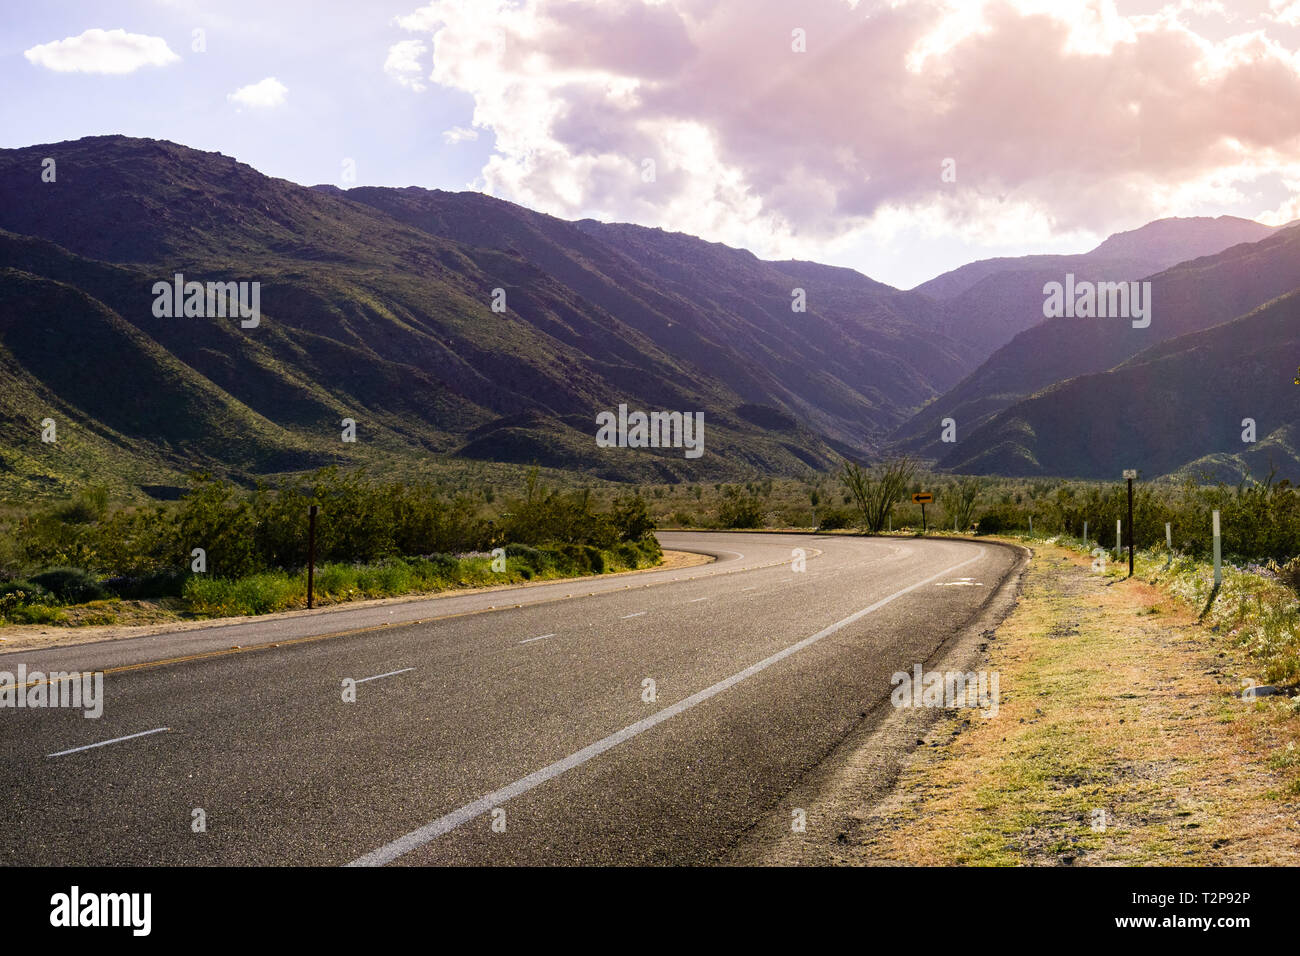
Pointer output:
537, 718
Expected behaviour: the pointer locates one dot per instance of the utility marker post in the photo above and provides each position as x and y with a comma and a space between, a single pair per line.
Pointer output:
1119, 539
1218, 553
1085, 534
311, 553
1129, 475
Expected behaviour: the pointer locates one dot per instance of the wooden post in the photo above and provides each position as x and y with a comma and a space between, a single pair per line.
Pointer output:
1130, 527
311, 554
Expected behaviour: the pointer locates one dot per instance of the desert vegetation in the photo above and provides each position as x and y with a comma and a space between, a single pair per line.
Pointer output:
223, 550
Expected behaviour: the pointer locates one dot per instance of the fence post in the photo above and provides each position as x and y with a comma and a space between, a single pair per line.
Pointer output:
1218, 553
1130, 527
311, 553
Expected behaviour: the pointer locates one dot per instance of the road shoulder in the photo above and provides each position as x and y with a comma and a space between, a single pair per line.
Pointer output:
1120, 739
863, 770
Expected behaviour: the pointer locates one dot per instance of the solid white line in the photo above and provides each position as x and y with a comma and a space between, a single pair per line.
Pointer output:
626, 616
445, 824
529, 640
105, 743
389, 674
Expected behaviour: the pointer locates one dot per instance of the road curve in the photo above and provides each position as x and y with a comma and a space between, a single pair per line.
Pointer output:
650, 722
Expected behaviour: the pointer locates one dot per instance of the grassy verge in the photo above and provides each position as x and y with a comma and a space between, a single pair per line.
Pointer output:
1122, 736
267, 592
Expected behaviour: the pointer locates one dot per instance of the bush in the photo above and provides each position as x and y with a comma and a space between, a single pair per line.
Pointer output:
833, 519
157, 584
255, 594
16, 612
740, 510
70, 585
444, 565
26, 592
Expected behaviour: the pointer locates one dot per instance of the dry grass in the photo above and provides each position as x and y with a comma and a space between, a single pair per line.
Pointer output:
1113, 699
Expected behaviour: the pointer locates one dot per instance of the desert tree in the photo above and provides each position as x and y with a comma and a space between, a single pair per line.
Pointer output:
961, 497
877, 489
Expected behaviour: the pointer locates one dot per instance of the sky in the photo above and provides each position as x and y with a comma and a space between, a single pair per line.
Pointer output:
900, 138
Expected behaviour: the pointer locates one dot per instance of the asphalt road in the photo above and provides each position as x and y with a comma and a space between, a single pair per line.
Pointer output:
520, 735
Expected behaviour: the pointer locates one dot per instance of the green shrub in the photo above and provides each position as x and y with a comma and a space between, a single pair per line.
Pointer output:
15, 612
256, 594
833, 519
70, 585
26, 592
155, 584
740, 509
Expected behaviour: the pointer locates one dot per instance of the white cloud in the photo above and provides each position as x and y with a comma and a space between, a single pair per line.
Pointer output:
1065, 119
403, 63
459, 134
102, 51
264, 95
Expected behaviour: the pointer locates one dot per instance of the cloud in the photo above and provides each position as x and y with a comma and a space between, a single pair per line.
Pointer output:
1062, 117
269, 93
459, 134
102, 51
403, 63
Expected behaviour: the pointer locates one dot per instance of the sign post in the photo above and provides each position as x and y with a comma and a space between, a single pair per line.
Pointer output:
921, 498
1129, 475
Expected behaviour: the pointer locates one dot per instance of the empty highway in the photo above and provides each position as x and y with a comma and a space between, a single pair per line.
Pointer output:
638, 719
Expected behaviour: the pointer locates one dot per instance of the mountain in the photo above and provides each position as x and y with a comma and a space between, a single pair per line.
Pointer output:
1176, 407
850, 366
1186, 298
987, 302
376, 305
